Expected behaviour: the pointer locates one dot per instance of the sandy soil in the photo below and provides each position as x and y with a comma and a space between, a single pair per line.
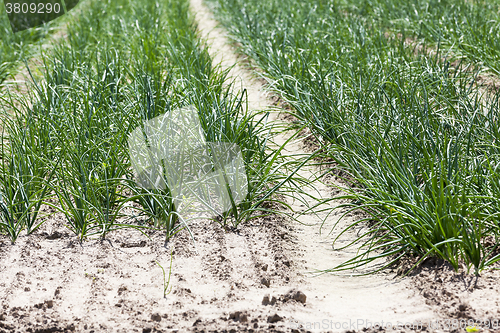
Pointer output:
253, 279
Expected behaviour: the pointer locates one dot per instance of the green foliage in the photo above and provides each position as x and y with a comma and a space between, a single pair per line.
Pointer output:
124, 62
388, 89
16, 47
166, 281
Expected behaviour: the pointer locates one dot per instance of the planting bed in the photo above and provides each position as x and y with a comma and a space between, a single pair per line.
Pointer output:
83, 248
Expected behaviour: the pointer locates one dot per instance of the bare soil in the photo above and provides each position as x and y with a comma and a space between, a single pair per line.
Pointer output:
256, 278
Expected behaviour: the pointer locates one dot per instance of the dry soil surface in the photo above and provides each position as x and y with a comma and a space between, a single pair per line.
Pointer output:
256, 278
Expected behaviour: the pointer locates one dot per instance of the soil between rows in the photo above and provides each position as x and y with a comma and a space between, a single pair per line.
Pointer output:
253, 279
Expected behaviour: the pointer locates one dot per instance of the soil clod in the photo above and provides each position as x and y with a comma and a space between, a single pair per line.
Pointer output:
274, 318
265, 281
239, 316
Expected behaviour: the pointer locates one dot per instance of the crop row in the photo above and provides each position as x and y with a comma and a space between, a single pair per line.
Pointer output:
390, 90
65, 142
